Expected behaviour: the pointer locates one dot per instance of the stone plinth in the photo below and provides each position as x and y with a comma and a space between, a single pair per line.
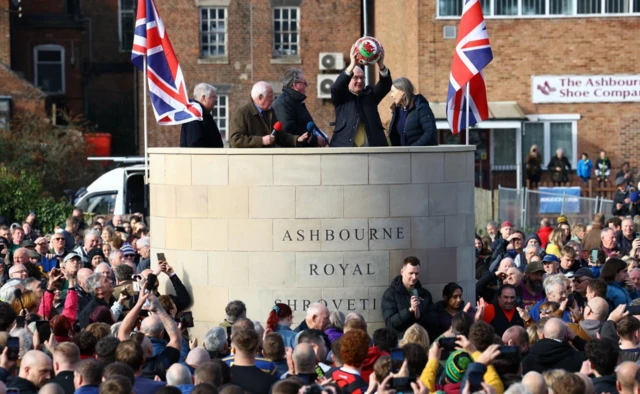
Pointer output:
303, 225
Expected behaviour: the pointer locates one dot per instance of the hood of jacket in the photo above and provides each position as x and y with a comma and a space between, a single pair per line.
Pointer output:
399, 286
294, 94
549, 352
373, 354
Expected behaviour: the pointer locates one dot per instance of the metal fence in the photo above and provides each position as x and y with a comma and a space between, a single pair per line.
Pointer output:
525, 208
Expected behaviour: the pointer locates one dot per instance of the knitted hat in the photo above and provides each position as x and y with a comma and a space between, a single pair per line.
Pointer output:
95, 252
456, 365
562, 219
127, 249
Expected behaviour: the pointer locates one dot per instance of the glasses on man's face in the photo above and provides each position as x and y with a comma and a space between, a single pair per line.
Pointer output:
41, 244
130, 256
58, 239
19, 272
546, 311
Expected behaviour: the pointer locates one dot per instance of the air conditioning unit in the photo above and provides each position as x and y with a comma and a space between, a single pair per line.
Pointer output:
449, 32
325, 82
331, 61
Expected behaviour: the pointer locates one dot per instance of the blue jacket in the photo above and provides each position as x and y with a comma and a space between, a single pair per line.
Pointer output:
584, 169
620, 295
535, 313
419, 128
287, 334
87, 390
185, 388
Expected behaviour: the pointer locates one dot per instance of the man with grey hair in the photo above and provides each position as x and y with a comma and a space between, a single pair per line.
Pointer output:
626, 236
553, 350
18, 271
252, 125
116, 257
101, 290
202, 133
290, 109
215, 341
144, 250
556, 291
178, 375
92, 240
608, 242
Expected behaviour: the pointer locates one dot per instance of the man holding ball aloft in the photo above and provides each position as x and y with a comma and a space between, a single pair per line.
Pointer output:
357, 119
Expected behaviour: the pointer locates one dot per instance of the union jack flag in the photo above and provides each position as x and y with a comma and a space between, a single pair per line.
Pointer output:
472, 54
167, 88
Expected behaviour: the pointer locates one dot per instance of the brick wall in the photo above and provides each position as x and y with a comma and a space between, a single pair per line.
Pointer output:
523, 48
5, 37
24, 96
326, 26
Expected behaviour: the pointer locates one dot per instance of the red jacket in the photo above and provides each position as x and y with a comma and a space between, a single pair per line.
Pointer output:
543, 234
367, 367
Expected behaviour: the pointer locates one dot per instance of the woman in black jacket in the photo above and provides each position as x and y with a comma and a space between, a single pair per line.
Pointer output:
412, 121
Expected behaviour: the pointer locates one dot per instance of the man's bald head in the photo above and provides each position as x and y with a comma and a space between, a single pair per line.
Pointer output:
21, 256
36, 367
83, 274
600, 308
626, 377
304, 358
555, 329
516, 336
535, 383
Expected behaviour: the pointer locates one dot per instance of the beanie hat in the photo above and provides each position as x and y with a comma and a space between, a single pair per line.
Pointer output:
456, 365
634, 196
95, 252
562, 219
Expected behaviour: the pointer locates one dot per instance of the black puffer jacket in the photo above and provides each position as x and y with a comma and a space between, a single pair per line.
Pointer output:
351, 109
396, 302
420, 126
549, 354
292, 112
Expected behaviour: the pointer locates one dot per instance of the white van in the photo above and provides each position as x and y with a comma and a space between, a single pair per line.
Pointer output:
117, 192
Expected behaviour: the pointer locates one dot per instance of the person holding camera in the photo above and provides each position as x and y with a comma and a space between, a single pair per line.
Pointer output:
182, 299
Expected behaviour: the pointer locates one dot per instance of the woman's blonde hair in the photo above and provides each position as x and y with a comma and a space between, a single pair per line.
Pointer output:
556, 236
534, 146
418, 335
29, 300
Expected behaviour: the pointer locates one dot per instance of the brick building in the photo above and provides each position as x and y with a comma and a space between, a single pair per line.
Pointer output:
76, 56
232, 44
583, 38
235, 45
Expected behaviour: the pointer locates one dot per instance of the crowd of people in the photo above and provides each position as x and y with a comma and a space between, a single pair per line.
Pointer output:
556, 311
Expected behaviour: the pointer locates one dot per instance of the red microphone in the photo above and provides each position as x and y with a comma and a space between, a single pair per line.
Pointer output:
276, 127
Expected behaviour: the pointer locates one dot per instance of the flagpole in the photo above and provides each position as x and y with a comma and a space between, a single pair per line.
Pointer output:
467, 124
146, 146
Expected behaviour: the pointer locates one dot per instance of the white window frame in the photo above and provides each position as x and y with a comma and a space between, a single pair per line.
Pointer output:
224, 132
546, 120
49, 47
226, 35
575, 14
122, 12
289, 19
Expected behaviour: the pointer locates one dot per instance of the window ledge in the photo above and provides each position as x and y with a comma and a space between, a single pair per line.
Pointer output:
286, 60
214, 60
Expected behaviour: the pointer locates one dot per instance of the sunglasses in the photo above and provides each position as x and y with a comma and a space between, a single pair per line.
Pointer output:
546, 311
